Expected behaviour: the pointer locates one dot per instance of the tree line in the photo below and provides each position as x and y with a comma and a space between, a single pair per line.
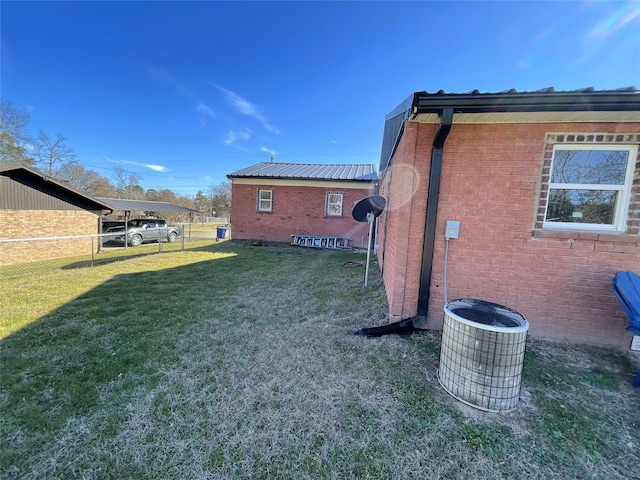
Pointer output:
55, 158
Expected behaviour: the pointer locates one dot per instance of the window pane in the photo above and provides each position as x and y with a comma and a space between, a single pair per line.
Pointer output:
581, 206
265, 200
334, 204
599, 167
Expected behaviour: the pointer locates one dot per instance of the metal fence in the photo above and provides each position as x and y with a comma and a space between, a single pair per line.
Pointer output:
32, 256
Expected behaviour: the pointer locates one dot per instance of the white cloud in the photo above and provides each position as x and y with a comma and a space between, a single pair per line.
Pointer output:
619, 19
232, 137
204, 109
245, 107
165, 77
269, 151
150, 166
271, 128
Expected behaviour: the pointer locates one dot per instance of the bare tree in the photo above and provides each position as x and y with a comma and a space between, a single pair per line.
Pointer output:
14, 122
85, 180
220, 198
127, 184
164, 195
13, 136
12, 154
52, 153
102, 188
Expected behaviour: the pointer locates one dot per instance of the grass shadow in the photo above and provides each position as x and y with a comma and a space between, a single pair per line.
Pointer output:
232, 361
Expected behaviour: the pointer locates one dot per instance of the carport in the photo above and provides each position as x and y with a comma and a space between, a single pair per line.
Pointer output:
128, 206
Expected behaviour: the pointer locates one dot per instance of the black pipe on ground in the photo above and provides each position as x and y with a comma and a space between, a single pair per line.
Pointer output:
402, 327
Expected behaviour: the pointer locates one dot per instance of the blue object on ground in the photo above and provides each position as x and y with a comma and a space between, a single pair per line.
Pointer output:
221, 232
626, 287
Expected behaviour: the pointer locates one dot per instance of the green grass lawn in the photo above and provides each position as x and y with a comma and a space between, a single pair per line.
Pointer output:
203, 230
228, 361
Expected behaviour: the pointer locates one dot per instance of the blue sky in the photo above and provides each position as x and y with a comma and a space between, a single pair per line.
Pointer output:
184, 93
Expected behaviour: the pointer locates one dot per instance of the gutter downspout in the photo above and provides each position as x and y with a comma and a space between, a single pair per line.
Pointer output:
433, 195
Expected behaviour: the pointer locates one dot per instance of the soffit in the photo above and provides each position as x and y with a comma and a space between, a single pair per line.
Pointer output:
533, 117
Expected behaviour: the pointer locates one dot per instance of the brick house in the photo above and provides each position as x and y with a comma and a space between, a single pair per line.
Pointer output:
271, 201
546, 186
33, 205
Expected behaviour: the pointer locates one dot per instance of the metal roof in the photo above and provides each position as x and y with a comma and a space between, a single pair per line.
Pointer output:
34, 178
306, 171
547, 99
19, 172
511, 106
143, 205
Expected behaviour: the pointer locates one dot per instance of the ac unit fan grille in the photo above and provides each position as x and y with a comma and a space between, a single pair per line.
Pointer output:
482, 354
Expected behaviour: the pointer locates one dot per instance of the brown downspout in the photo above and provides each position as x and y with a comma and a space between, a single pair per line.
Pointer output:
433, 194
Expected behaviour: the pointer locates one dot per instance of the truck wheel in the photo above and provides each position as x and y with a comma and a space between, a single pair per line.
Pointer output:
172, 237
135, 241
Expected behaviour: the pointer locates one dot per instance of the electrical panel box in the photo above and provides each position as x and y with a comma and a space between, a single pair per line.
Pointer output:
452, 229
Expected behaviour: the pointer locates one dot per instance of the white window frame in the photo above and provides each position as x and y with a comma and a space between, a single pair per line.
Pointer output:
624, 197
260, 200
339, 204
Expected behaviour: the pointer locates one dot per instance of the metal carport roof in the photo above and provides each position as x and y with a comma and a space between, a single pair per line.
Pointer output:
143, 205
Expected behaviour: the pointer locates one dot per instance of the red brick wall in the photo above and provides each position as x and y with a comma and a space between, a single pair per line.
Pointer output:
296, 210
491, 174
401, 225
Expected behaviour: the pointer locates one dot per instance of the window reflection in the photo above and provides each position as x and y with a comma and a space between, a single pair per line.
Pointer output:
596, 167
582, 206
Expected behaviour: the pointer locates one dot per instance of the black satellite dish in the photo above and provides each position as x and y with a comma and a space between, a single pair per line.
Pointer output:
367, 210
374, 204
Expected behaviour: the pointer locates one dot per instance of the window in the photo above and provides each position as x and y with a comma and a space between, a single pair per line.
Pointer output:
265, 200
590, 186
334, 204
